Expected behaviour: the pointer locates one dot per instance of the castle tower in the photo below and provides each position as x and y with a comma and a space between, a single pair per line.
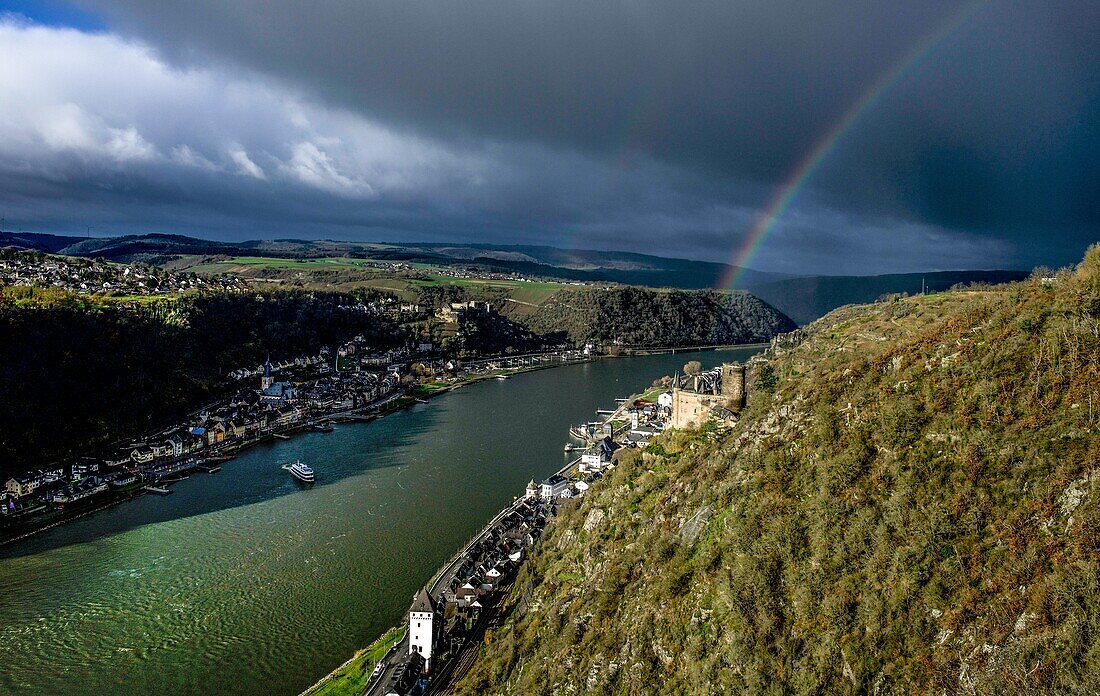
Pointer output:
267, 380
733, 384
422, 626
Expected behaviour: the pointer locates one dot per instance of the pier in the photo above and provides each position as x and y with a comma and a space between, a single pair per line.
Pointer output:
157, 489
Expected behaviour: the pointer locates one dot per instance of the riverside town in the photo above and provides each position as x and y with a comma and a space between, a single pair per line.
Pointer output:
448, 618
305, 393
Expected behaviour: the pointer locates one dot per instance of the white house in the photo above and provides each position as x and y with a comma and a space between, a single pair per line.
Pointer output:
665, 399
590, 461
492, 577
422, 627
553, 487
599, 456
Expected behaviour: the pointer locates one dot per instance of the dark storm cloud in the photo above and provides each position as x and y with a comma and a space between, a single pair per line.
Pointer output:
664, 126
743, 87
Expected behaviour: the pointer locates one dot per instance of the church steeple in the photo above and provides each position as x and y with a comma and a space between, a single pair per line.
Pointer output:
266, 381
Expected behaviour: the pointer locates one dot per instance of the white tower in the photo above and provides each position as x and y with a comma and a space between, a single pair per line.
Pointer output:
267, 380
422, 626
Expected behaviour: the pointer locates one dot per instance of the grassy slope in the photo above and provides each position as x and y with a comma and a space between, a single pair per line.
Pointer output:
914, 509
352, 677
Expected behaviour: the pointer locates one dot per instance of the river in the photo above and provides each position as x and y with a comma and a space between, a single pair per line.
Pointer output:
242, 582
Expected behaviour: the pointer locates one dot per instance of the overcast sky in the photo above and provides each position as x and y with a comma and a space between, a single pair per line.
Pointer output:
641, 125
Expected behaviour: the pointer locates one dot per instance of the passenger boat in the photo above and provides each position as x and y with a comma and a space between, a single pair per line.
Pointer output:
300, 471
503, 376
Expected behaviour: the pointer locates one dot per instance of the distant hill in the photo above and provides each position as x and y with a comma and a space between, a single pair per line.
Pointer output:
909, 504
567, 264
51, 243
641, 316
801, 298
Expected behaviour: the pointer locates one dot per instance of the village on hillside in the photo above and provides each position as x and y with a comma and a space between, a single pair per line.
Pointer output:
91, 276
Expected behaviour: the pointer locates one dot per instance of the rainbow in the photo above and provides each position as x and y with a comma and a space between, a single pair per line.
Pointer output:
825, 145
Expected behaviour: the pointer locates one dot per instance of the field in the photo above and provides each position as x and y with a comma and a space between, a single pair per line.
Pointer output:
345, 273
244, 264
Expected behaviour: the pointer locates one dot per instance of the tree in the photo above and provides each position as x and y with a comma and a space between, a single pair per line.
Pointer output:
766, 378
693, 367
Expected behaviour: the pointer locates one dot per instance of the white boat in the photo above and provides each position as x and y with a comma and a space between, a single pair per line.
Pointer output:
502, 376
300, 471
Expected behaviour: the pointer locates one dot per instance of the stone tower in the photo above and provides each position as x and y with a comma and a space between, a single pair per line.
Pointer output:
733, 384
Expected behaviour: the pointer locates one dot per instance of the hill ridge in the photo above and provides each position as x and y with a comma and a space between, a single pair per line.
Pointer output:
909, 504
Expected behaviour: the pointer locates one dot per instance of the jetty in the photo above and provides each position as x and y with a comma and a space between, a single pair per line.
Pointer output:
157, 489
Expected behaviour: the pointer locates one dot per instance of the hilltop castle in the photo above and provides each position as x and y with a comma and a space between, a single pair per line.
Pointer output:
718, 392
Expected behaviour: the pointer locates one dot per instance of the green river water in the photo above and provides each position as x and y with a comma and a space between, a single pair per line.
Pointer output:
242, 582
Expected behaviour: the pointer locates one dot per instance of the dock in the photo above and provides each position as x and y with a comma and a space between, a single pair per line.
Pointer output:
280, 436
157, 490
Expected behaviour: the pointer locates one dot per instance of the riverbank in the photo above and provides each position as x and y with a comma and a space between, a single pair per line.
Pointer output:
453, 664
284, 583
353, 676
22, 528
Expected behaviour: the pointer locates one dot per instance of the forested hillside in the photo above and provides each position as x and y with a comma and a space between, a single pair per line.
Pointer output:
641, 316
75, 374
909, 504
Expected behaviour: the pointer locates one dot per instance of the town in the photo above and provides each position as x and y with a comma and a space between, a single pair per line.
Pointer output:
269, 401
32, 269
448, 617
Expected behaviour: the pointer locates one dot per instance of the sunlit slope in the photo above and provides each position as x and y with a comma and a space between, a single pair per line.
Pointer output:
909, 505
